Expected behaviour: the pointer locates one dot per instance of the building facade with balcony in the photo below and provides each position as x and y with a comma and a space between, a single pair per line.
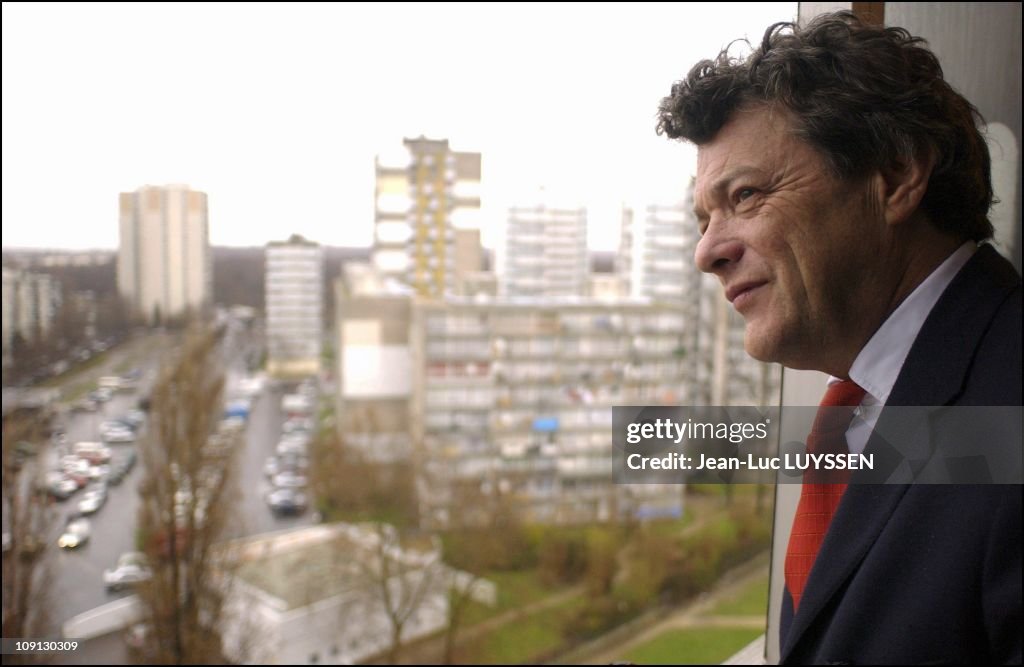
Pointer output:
294, 303
514, 399
545, 252
30, 305
656, 260
423, 194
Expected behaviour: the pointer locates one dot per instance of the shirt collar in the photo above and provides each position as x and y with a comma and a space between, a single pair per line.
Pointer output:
879, 362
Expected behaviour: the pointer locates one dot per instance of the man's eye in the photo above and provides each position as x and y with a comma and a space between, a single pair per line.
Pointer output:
744, 193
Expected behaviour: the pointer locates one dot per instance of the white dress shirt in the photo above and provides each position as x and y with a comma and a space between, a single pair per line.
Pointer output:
879, 363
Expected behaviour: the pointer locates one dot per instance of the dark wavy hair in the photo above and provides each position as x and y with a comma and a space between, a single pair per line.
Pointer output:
866, 97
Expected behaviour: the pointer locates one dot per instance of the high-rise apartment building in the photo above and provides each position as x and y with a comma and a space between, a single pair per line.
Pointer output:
30, 304
422, 195
294, 303
490, 398
164, 264
656, 254
515, 398
545, 253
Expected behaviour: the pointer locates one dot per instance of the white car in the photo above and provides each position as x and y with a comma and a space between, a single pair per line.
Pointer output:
131, 569
298, 425
92, 501
293, 443
286, 501
289, 480
76, 533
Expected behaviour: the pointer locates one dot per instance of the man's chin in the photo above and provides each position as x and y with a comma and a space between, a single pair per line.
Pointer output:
762, 347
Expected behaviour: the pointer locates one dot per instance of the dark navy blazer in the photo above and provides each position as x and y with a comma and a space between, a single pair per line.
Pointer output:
928, 574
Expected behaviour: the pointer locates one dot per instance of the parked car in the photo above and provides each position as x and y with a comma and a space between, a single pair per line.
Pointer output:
294, 462
289, 479
93, 500
131, 569
93, 452
298, 424
75, 469
286, 501
293, 443
134, 418
120, 466
60, 486
271, 466
116, 432
76, 533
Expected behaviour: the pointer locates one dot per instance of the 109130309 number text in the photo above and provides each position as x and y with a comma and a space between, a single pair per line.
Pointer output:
14, 646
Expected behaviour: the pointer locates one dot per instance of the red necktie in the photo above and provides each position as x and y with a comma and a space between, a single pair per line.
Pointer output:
822, 490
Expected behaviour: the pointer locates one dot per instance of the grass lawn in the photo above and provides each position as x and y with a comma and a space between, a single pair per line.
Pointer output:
751, 601
515, 590
700, 646
523, 639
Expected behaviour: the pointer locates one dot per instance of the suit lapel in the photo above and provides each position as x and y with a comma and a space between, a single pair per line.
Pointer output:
950, 333
859, 519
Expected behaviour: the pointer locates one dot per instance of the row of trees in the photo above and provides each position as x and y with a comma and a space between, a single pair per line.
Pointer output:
76, 326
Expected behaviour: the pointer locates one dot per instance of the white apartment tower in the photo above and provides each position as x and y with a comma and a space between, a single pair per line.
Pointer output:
294, 302
545, 252
164, 263
422, 195
30, 305
656, 257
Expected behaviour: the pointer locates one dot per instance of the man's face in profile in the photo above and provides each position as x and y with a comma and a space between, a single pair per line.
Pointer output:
793, 246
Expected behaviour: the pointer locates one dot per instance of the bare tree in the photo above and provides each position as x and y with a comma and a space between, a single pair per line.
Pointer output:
185, 509
402, 580
348, 487
487, 533
463, 585
394, 584
27, 521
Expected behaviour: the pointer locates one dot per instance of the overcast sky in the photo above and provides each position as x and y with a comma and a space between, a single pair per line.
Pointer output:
277, 111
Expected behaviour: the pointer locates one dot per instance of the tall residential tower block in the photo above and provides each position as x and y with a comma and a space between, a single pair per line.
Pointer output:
164, 264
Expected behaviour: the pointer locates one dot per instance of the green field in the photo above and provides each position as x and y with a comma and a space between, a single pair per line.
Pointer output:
515, 591
705, 646
751, 601
523, 639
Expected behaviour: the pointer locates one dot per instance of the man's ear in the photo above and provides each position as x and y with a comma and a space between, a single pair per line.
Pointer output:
903, 186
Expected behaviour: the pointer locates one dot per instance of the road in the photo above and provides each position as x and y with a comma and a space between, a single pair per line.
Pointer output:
77, 583
77, 576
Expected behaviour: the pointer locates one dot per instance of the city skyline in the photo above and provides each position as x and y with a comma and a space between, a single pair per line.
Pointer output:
278, 112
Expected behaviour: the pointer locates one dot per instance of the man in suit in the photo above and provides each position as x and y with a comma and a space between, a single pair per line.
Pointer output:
842, 193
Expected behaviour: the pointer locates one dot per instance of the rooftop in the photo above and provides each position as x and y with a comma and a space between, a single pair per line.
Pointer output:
309, 565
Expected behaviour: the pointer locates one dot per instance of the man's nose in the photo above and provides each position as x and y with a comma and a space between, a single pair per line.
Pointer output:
717, 251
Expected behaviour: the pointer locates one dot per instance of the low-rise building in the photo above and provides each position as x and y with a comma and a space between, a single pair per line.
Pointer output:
316, 595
